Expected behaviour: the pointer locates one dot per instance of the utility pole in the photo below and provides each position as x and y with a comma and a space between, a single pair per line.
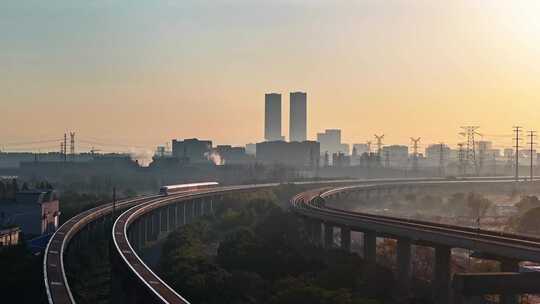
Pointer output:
441, 159
532, 135
469, 132
517, 132
368, 146
415, 142
65, 147
387, 159
494, 164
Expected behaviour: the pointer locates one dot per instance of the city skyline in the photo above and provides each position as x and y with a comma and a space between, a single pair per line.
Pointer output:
427, 70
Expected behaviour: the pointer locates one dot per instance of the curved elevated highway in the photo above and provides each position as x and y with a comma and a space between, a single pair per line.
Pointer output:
148, 217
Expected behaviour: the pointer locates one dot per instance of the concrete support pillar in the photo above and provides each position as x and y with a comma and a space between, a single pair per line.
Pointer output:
211, 205
316, 231
441, 274
202, 206
509, 266
140, 232
184, 213
193, 214
145, 229
175, 221
167, 223
370, 253
404, 264
328, 235
346, 238
157, 225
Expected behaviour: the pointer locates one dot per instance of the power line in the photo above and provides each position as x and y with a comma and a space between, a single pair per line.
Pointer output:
27, 143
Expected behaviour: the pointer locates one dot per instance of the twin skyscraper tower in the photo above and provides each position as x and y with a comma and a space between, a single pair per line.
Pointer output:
297, 114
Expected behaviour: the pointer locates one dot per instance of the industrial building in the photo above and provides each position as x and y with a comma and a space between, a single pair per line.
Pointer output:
295, 154
192, 150
395, 156
36, 212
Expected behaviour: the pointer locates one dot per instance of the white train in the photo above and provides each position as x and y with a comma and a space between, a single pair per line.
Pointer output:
166, 190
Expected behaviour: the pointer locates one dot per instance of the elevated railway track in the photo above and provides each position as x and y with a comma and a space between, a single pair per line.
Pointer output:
176, 209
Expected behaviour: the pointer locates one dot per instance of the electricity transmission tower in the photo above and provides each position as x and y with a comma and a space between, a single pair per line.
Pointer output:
441, 159
415, 142
517, 133
379, 139
469, 133
72, 144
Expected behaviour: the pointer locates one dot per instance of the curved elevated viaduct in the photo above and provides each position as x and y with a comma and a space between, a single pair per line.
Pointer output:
150, 218
509, 249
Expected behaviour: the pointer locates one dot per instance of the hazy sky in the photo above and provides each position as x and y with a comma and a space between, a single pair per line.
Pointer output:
142, 72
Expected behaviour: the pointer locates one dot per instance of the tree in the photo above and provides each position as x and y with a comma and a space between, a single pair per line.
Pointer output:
527, 203
478, 204
15, 185
2, 190
529, 223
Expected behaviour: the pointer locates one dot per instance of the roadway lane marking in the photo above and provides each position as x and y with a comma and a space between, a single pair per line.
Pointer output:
126, 251
57, 283
53, 251
153, 282
52, 265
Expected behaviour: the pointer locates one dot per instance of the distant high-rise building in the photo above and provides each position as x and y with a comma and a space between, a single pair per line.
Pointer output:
330, 142
272, 117
298, 116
